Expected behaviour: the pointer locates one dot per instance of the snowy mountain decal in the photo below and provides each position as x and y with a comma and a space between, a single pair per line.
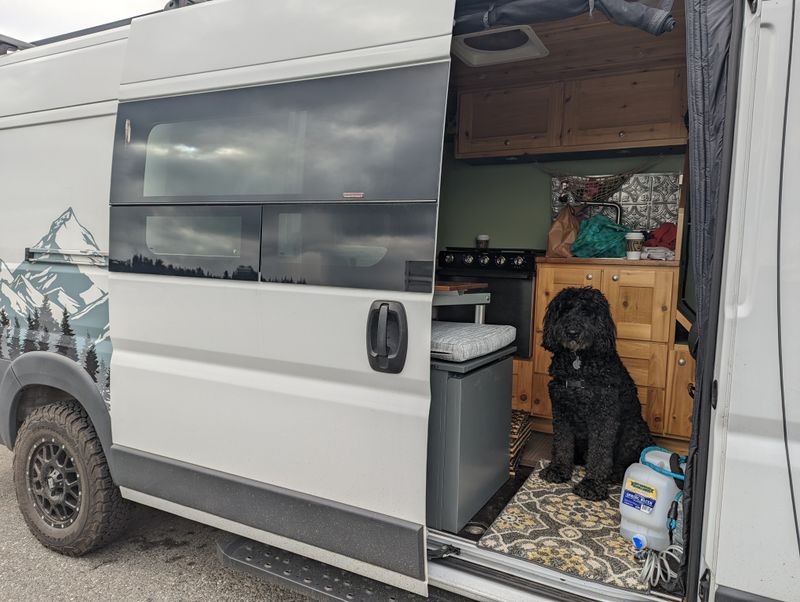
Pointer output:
50, 303
66, 233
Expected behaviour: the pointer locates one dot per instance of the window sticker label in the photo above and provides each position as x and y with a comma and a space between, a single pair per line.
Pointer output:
639, 496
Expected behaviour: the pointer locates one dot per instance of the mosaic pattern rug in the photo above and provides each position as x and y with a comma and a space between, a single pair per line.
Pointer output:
545, 523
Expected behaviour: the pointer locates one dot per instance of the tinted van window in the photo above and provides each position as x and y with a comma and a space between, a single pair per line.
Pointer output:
371, 136
203, 242
379, 246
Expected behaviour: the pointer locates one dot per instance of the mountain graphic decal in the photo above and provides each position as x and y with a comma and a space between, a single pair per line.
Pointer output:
52, 303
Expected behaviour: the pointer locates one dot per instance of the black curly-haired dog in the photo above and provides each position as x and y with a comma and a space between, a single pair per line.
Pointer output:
597, 420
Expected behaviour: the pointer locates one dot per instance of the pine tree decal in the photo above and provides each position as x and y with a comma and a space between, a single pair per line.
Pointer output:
44, 342
15, 349
91, 362
4, 321
66, 343
46, 317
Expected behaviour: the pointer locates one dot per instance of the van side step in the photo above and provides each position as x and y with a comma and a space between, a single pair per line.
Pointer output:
316, 580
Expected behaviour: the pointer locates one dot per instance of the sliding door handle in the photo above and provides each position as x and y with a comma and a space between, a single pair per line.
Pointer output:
387, 336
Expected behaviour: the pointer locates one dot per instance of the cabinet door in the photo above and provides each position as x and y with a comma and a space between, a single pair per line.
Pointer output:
633, 109
641, 301
551, 279
521, 388
679, 417
510, 121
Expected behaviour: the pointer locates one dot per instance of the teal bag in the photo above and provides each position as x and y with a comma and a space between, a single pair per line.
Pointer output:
598, 236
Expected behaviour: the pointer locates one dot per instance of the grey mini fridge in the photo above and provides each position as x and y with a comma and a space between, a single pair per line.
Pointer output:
468, 434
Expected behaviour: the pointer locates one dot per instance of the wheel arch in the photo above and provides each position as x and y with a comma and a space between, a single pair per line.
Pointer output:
40, 377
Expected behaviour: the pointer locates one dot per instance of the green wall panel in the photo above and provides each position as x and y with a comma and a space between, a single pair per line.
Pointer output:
511, 203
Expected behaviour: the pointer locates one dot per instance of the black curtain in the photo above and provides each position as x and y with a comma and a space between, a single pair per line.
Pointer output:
712, 62
652, 16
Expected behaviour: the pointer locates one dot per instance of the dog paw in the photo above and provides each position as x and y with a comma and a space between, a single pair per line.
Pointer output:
555, 474
590, 489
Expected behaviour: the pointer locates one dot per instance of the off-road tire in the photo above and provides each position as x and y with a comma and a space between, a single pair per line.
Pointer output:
101, 513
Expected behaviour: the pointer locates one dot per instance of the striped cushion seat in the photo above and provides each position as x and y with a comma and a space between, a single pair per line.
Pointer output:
462, 341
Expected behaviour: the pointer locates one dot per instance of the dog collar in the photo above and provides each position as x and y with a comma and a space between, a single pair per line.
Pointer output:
573, 383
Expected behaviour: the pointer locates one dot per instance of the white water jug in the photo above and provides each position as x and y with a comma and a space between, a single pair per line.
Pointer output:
646, 498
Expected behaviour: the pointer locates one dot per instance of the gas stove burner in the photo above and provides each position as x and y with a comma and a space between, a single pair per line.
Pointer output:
455, 259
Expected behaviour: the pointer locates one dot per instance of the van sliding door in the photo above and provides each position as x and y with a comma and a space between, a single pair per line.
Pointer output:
272, 249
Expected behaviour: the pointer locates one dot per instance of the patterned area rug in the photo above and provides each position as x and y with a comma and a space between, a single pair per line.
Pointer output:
545, 523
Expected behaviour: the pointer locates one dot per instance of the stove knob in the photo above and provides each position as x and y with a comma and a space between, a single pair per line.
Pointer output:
449, 258
469, 259
519, 261
500, 260
484, 259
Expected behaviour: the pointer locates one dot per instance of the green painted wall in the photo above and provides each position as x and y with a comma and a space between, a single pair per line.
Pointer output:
511, 203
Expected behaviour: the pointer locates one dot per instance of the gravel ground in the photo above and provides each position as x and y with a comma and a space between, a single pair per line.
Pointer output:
161, 557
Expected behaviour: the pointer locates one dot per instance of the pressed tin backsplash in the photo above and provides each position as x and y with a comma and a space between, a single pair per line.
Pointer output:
647, 200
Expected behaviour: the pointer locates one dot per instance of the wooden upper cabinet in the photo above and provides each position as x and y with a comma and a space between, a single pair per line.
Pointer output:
641, 302
637, 109
550, 280
510, 121
620, 111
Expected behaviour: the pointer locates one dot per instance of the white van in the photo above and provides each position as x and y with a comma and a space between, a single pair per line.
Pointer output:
232, 209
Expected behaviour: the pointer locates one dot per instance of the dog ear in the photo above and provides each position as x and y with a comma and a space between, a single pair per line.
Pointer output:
550, 340
605, 329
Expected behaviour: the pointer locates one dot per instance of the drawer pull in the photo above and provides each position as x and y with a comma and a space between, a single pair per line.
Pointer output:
524, 397
589, 276
615, 277
622, 134
682, 361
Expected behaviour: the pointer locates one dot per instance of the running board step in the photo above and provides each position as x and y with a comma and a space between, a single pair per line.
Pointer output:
312, 578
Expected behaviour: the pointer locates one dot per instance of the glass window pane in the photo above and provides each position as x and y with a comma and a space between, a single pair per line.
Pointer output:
202, 242
193, 235
381, 246
367, 136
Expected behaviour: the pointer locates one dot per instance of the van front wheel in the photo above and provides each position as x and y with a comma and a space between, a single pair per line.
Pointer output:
63, 484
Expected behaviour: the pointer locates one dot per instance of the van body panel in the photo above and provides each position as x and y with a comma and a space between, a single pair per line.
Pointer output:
269, 360
250, 32
750, 497
789, 273
75, 72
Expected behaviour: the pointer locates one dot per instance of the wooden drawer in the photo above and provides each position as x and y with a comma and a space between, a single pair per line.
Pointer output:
646, 361
651, 400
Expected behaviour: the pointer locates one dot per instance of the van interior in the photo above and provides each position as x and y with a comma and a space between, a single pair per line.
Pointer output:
543, 119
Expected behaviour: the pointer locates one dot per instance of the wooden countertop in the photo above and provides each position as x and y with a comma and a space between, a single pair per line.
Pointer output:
444, 286
610, 261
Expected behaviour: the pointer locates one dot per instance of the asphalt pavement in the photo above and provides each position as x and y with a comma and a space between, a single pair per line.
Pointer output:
160, 558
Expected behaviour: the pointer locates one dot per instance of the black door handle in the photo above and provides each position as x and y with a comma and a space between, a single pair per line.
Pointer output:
387, 336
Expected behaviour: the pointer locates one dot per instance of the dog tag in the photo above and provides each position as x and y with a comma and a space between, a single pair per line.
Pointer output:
577, 363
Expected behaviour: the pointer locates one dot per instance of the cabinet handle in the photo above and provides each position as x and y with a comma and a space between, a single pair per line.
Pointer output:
589, 276
622, 134
615, 277
682, 362
523, 397
507, 142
